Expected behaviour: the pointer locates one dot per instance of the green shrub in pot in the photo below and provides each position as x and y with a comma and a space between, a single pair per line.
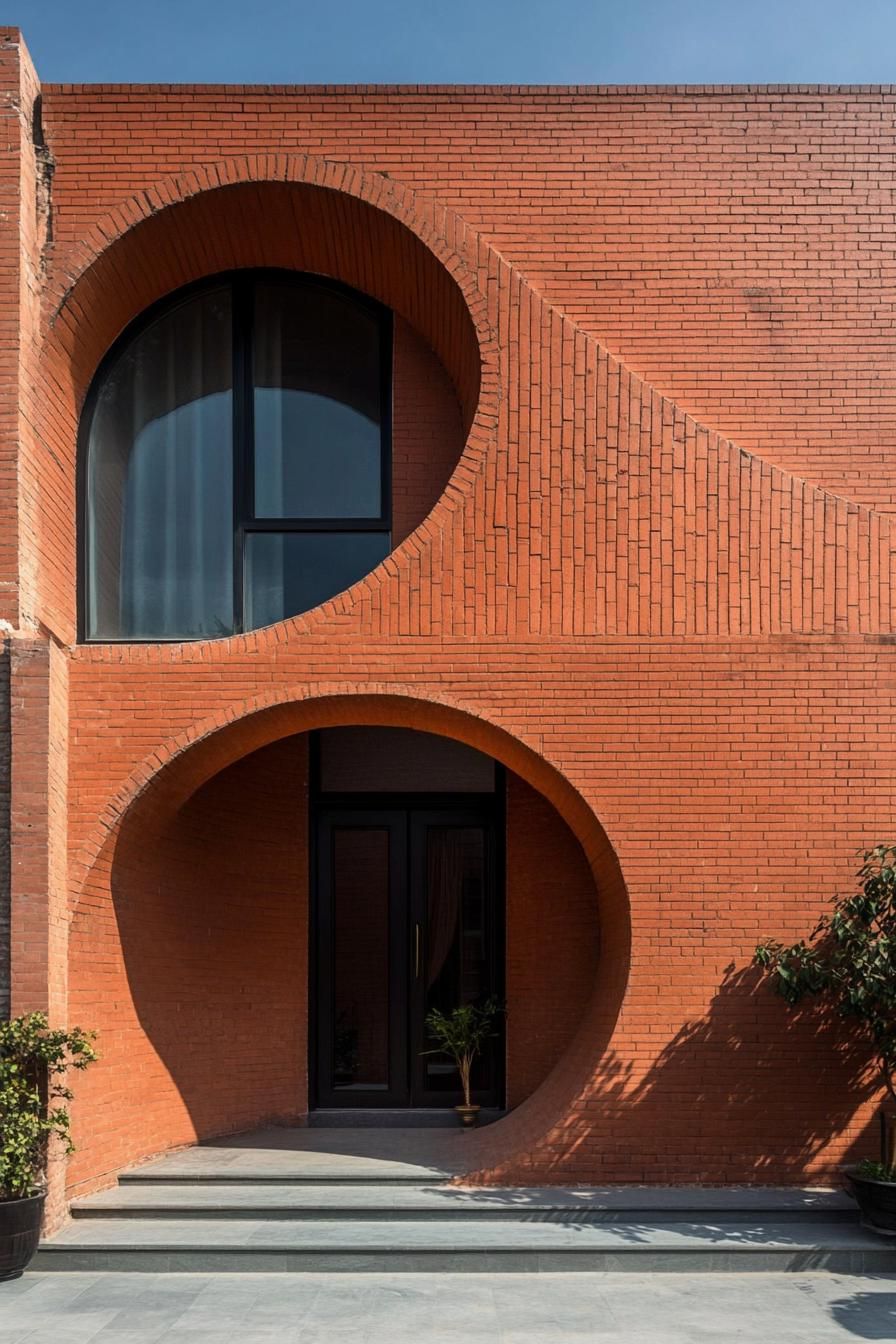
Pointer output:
461, 1034
33, 1094
849, 960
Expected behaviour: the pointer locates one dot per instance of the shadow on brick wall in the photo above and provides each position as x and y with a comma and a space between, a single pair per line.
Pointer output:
750, 1092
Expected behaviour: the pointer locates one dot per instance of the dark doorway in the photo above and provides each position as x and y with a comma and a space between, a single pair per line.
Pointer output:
407, 917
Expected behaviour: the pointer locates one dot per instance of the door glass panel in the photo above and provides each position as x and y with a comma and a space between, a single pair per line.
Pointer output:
291, 572
360, 958
456, 962
317, 401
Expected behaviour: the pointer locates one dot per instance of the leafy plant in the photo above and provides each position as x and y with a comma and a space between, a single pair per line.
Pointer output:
849, 959
33, 1064
461, 1034
876, 1171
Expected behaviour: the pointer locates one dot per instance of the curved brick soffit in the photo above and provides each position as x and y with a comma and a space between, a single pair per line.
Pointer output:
173, 774
593, 504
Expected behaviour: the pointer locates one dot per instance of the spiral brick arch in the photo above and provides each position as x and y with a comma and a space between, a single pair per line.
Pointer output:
106, 924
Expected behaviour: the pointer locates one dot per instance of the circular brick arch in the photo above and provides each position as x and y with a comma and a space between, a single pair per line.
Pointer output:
154, 795
294, 212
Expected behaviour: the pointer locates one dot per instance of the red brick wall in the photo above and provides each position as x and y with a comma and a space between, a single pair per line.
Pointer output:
552, 938
686, 649
15, 140
194, 968
726, 244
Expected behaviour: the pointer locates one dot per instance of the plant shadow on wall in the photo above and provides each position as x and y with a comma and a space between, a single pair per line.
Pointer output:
744, 1094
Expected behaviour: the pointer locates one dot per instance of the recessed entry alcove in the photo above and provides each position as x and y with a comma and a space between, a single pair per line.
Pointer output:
272, 943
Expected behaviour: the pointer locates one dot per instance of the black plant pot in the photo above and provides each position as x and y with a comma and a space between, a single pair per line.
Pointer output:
20, 1221
876, 1201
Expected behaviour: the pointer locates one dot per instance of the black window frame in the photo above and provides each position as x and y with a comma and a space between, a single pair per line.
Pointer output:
245, 521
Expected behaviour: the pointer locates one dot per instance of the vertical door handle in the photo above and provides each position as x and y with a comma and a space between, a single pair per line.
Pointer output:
416, 951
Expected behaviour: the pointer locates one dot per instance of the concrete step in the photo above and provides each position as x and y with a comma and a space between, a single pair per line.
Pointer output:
401, 1202
169, 1245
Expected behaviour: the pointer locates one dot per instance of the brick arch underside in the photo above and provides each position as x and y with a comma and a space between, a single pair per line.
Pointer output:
188, 944
294, 225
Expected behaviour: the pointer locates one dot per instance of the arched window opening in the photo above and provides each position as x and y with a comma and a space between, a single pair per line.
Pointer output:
238, 446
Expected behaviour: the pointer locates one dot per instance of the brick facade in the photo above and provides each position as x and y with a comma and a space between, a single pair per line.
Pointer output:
645, 411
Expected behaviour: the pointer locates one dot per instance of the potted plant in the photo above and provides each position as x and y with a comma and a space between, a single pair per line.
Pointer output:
849, 959
33, 1064
461, 1035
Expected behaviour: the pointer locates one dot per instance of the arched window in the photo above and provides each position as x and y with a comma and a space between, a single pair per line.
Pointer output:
237, 455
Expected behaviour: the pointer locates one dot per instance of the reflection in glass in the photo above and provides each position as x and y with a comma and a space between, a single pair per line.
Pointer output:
457, 969
291, 572
191, 447
361, 957
160, 480
317, 405
367, 759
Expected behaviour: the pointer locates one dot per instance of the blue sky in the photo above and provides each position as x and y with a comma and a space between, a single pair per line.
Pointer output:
460, 41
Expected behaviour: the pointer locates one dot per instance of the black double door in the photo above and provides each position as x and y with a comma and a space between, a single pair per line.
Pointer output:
407, 919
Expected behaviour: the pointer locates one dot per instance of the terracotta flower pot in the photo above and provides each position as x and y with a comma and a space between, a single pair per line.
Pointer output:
20, 1222
467, 1115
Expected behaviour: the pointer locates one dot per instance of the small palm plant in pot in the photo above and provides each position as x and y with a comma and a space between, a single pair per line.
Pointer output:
33, 1065
849, 960
461, 1034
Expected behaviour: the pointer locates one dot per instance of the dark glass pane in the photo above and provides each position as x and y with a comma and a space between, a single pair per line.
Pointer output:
400, 760
291, 572
317, 404
361, 958
160, 481
456, 962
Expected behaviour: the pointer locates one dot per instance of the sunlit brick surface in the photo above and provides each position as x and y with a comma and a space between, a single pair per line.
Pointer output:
645, 361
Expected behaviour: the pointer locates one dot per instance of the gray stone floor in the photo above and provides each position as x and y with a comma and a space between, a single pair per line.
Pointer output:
447, 1309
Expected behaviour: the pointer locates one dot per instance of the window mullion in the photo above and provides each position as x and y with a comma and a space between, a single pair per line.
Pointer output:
242, 436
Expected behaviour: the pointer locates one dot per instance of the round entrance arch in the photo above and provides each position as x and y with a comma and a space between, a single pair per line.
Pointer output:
119, 956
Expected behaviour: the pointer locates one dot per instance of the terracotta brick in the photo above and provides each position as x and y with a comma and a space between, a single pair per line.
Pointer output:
644, 429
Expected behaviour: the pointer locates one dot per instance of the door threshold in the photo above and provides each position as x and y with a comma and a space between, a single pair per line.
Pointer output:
408, 1117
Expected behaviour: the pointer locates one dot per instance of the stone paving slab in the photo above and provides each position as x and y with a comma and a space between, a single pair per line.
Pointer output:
412, 1234
482, 1246
237, 1200
459, 1309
